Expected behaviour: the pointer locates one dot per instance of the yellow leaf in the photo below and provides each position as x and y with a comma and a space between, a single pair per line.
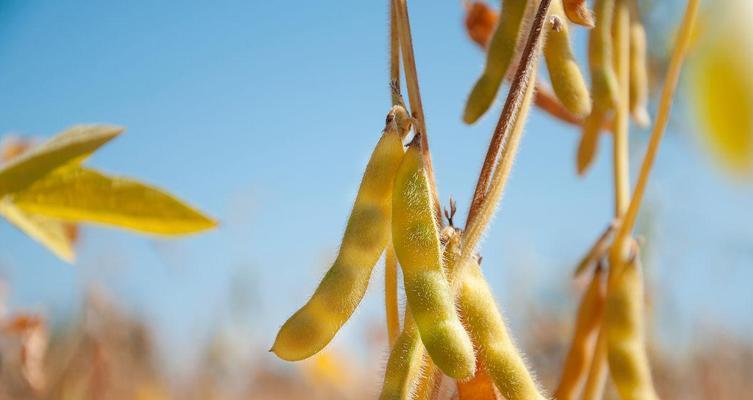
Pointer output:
78, 194
51, 233
75, 143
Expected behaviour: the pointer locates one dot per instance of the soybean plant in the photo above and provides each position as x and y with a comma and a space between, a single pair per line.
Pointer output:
452, 323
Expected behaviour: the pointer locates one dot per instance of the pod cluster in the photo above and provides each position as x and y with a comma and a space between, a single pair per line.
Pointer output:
451, 317
604, 82
394, 200
497, 355
503, 52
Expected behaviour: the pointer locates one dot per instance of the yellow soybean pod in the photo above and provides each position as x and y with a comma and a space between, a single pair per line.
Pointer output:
496, 349
582, 347
604, 85
578, 13
567, 80
416, 240
404, 364
626, 348
589, 141
638, 75
366, 235
499, 56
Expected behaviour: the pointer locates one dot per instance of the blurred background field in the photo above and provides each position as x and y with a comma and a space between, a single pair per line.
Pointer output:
263, 115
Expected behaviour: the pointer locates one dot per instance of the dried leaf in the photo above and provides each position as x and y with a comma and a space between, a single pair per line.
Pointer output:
78, 194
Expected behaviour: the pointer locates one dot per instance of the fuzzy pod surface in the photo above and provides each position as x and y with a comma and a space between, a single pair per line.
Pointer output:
496, 350
404, 364
313, 326
416, 240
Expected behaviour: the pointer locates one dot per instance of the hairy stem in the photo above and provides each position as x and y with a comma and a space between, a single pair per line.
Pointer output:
394, 56
414, 94
392, 310
506, 136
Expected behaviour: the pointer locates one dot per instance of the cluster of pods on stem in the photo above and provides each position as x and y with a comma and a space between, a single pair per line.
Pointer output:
452, 325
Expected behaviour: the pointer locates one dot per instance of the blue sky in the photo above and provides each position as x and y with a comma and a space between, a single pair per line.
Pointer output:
263, 115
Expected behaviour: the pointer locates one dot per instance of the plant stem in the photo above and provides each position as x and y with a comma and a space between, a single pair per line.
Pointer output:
507, 133
622, 114
414, 95
392, 310
621, 34
662, 117
394, 56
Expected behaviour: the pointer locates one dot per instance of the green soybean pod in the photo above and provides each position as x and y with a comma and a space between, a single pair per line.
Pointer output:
416, 240
499, 56
626, 348
496, 349
638, 75
567, 80
604, 85
406, 365
314, 325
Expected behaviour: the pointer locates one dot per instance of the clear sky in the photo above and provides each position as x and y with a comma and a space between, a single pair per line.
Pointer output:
263, 114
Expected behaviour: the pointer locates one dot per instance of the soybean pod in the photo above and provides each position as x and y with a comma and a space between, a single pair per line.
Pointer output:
578, 359
314, 325
624, 324
604, 88
480, 21
416, 240
406, 361
567, 80
404, 364
501, 51
578, 13
638, 74
496, 349
589, 140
